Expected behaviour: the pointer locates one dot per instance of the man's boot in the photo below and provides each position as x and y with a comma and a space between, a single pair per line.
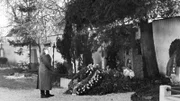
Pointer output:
43, 94
48, 94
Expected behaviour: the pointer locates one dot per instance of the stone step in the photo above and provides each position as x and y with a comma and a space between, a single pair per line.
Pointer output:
64, 82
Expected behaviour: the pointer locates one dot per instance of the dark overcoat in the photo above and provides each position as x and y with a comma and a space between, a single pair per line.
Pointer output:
45, 73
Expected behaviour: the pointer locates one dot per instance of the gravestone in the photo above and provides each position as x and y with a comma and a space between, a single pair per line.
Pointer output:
34, 60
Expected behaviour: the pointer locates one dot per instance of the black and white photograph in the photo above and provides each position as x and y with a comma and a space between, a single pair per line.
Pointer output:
89, 50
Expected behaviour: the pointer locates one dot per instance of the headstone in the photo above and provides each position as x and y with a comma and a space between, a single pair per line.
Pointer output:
64, 82
34, 60
97, 58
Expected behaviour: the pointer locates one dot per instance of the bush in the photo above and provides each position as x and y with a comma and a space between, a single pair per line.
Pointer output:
61, 68
148, 93
30, 66
3, 60
148, 90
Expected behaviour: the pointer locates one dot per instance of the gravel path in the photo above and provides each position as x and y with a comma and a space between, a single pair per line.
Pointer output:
33, 95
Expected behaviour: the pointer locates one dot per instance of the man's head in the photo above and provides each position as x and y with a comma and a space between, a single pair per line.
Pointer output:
45, 51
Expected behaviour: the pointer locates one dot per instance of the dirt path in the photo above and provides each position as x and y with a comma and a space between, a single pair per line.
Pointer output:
33, 95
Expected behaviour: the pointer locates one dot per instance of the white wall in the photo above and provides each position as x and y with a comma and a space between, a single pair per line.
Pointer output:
13, 57
165, 31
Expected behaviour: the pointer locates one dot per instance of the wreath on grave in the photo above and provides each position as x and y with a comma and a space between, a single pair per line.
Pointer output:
92, 80
85, 80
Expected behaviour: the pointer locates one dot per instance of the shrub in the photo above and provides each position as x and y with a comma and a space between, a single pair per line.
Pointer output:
31, 66
147, 93
3, 60
148, 89
61, 68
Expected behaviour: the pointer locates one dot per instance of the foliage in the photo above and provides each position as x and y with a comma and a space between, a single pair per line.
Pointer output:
103, 12
175, 49
64, 45
33, 21
74, 44
18, 43
61, 68
109, 20
148, 90
117, 39
174, 46
25, 65
82, 46
3, 60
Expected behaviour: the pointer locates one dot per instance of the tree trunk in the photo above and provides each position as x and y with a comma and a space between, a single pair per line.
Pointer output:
74, 61
30, 54
150, 67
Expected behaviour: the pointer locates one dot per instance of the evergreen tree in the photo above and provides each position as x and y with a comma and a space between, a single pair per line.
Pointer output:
104, 15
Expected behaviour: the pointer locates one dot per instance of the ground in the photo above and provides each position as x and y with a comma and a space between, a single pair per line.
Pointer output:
33, 95
24, 90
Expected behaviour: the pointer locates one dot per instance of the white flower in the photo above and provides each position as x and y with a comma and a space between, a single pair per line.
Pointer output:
128, 72
131, 74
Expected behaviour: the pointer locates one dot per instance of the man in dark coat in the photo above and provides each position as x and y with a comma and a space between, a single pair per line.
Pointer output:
44, 74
